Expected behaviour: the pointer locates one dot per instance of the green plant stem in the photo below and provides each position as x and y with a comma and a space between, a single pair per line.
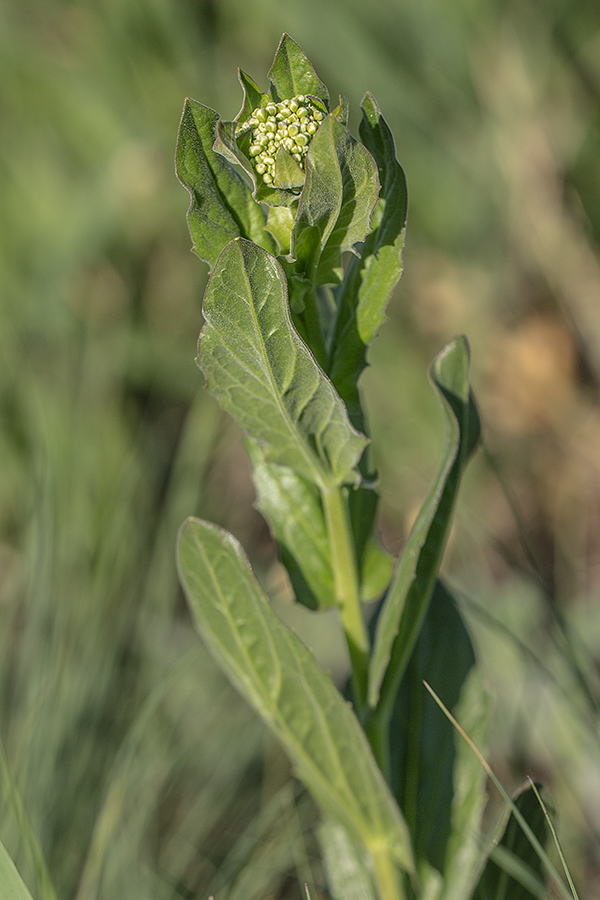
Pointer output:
347, 589
387, 877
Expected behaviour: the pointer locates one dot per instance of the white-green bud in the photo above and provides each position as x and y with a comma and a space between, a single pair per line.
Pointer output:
290, 124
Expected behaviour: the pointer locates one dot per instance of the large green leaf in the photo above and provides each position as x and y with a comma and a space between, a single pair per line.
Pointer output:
423, 741
409, 594
371, 276
339, 195
265, 376
222, 206
514, 870
276, 673
12, 886
292, 74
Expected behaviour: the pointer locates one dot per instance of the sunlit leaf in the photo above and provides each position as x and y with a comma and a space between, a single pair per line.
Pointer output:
347, 871
12, 886
371, 276
409, 594
264, 375
334, 212
292, 507
292, 74
278, 675
222, 207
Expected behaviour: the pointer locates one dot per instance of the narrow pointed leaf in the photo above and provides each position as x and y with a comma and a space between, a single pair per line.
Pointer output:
278, 675
409, 594
372, 276
334, 212
222, 206
292, 74
12, 886
514, 870
265, 376
253, 97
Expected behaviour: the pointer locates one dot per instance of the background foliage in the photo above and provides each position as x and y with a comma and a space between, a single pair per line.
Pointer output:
111, 716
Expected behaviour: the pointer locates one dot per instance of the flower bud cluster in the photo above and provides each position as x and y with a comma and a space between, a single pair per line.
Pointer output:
290, 124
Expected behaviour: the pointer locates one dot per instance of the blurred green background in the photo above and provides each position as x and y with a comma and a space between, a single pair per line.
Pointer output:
142, 774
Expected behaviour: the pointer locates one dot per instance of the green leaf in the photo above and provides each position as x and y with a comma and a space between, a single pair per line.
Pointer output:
334, 212
423, 741
514, 870
292, 506
371, 276
280, 222
409, 594
265, 376
222, 207
292, 74
253, 97
288, 174
276, 673
348, 876
12, 886
463, 852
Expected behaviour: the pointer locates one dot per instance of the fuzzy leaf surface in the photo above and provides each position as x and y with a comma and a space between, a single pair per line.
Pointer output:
348, 876
265, 376
292, 74
12, 886
339, 194
292, 506
279, 677
222, 206
371, 276
410, 592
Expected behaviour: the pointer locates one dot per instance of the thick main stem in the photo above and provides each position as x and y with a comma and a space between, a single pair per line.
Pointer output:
347, 588
387, 877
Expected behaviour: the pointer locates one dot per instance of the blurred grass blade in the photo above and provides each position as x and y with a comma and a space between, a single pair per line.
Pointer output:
222, 206
409, 594
265, 376
514, 871
372, 276
276, 673
292, 73
11, 883
557, 844
13, 799
339, 195
535, 843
